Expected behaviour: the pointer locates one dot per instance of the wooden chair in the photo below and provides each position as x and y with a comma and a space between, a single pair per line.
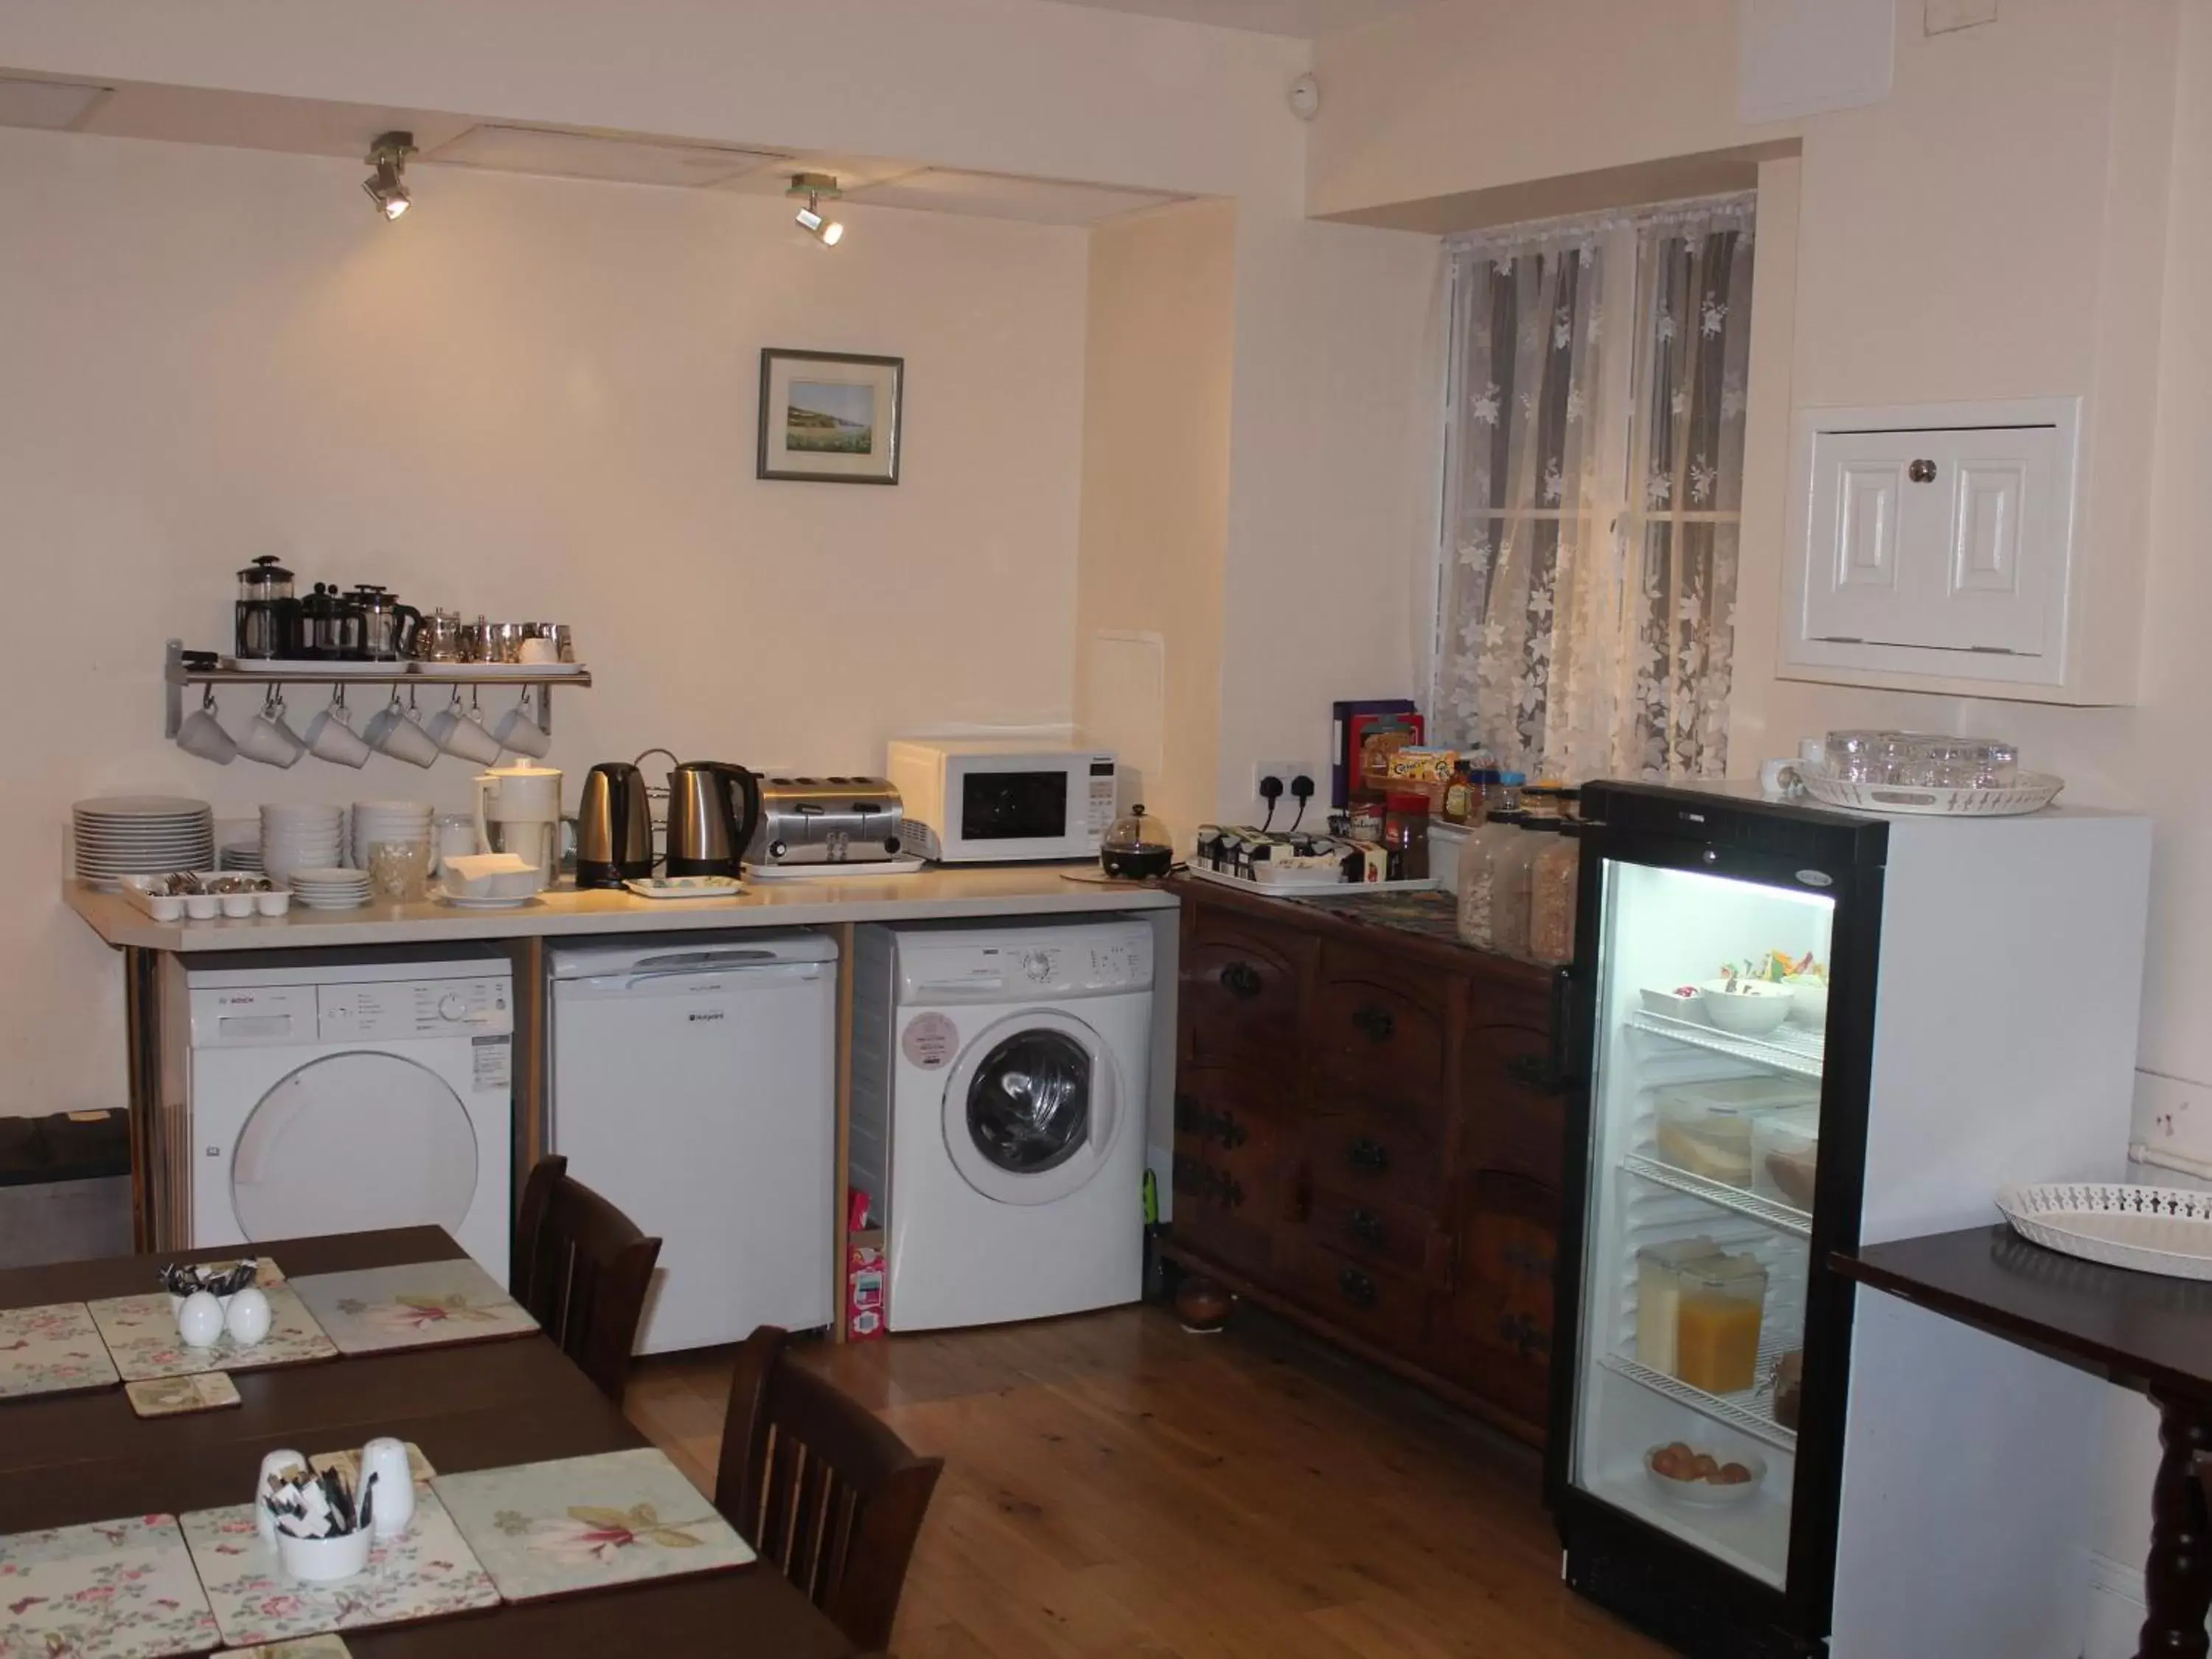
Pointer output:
820, 1488
582, 1268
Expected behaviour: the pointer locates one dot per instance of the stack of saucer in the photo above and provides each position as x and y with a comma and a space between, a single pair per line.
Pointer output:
242, 856
330, 889
388, 820
300, 838
119, 836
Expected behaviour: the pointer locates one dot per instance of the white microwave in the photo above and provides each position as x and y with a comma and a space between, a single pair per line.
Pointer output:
981, 800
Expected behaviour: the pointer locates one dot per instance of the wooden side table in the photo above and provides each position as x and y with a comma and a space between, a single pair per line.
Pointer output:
2141, 1331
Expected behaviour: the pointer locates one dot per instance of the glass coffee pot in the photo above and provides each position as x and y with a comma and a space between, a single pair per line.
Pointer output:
268, 614
388, 628
1136, 848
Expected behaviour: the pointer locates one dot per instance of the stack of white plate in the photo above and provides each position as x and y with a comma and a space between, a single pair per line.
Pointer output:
119, 836
242, 856
330, 889
300, 838
388, 820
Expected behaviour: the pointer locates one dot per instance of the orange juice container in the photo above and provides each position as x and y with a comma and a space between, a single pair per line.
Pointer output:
1717, 1323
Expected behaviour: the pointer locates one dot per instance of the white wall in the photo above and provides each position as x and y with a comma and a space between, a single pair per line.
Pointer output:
1158, 387
530, 398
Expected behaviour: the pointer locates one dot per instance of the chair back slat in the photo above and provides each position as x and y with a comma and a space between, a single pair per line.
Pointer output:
582, 1268
821, 1489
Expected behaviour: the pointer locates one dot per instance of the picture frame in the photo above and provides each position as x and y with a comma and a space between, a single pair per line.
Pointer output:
830, 416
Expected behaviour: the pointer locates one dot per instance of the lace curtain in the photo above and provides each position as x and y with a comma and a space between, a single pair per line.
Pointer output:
1587, 614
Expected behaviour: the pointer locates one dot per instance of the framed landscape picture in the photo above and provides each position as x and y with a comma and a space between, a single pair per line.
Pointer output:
829, 417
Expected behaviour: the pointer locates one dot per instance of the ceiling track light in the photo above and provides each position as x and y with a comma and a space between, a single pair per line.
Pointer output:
385, 185
817, 187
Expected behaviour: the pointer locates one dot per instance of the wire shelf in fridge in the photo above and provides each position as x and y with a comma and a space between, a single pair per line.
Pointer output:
1775, 1214
1750, 1413
1786, 1048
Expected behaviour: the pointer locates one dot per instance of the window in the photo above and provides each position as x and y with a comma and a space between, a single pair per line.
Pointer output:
1593, 490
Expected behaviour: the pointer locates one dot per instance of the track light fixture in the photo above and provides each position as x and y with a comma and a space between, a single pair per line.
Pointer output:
815, 187
384, 186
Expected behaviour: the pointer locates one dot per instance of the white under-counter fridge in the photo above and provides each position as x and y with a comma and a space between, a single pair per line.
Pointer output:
1952, 1007
693, 1085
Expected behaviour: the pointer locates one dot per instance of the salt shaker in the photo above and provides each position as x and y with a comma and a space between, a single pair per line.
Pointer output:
385, 1460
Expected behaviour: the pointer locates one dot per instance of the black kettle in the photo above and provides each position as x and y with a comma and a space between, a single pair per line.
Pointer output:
714, 808
614, 827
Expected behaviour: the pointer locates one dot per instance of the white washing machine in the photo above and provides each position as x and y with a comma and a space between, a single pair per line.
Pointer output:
345, 1097
999, 1084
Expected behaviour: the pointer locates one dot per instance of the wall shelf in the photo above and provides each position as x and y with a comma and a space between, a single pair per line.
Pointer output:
177, 675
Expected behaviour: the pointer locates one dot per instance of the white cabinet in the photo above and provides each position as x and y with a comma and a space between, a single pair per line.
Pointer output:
1933, 544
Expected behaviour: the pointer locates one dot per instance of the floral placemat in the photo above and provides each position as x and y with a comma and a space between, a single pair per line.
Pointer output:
178, 1396
140, 1334
52, 1350
426, 1572
415, 1305
583, 1523
115, 1590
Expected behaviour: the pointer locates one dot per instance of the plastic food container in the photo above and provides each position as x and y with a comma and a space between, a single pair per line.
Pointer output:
1785, 1155
1704, 1128
1717, 1325
1659, 1296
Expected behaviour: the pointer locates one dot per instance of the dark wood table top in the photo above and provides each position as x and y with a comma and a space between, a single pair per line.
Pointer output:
2140, 1330
66, 1459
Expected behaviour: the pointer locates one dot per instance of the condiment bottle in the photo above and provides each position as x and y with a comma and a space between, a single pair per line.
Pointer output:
1405, 834
1509, 790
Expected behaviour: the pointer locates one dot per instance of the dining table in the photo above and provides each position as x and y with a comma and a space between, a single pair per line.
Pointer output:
71, 1459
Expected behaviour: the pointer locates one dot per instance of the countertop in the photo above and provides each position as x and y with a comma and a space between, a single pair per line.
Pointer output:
926, 896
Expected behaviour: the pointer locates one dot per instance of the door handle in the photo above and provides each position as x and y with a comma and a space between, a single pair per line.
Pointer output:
1240, 979
1365, 1224
1375, 1023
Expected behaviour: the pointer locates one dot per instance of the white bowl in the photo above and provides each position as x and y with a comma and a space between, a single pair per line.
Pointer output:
1809, 1004
1703, 1494
1753, 1008
324, 1561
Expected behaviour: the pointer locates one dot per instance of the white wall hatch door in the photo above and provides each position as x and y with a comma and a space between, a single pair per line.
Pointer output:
1032, 1108
1942, 540
352, 1142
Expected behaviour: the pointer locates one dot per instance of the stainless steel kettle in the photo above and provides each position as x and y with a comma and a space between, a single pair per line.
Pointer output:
713, 807
614, 827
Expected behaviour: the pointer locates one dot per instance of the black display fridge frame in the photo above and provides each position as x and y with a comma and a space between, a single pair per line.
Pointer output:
1660, 1583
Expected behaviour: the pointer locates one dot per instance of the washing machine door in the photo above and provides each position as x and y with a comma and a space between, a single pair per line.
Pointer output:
1032, 1108
352, 1142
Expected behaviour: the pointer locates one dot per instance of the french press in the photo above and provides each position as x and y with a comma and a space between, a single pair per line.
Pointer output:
268, 614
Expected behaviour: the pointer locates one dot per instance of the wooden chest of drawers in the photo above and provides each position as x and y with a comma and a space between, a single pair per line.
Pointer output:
1368, 1140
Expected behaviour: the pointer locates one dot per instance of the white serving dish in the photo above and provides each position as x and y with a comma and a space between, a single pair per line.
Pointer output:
489, 876
1703, 1494
1755, 1007
898, 866
1668, 1005
1808, 1003
2149, 1230
2030, 792
687, 887
176, 907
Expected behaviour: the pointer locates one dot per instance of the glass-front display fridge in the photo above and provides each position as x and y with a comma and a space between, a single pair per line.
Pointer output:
1737, 982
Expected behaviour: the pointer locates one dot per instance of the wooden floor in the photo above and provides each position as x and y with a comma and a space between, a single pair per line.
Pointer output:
1116, 1486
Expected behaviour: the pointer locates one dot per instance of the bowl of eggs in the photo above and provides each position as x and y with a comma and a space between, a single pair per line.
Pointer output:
1688, 1475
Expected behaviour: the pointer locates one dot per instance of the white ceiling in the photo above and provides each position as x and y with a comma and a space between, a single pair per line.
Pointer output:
1306, 19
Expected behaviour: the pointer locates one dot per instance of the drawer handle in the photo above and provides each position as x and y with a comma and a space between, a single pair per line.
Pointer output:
1375, 1023
1365, 1223
1536, 1071
1359, 1289
1372, 1156
1242, 979
1193, 1119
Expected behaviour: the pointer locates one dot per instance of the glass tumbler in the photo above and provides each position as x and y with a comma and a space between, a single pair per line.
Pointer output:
1858, 757
400, 870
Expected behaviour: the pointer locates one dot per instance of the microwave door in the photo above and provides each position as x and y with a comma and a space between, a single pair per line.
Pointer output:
998, 809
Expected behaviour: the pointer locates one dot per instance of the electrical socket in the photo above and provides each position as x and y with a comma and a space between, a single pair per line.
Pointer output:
1286, 808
